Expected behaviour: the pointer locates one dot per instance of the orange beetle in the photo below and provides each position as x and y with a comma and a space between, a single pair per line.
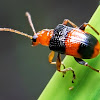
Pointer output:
73, 41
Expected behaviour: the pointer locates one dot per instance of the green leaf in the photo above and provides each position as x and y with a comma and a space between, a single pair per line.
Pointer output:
87, 82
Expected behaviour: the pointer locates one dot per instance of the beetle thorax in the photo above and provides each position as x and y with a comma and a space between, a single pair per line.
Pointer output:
43, 37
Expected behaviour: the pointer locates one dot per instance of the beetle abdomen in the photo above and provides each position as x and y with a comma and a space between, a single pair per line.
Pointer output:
81, 45
90, 48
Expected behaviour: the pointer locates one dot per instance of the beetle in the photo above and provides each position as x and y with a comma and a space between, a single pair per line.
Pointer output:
73, 41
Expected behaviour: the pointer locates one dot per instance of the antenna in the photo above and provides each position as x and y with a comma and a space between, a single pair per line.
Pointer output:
21, 33
15, 31
30, 22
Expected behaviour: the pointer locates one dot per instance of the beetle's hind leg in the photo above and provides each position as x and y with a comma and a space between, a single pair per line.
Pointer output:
82, 62
59, 63
82, 27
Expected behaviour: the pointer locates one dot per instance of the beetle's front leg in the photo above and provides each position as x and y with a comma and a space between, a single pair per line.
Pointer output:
51, 56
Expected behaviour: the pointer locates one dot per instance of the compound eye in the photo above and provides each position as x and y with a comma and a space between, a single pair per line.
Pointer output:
34, 38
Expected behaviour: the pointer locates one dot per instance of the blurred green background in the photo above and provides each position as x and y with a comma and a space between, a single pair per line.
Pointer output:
24, 70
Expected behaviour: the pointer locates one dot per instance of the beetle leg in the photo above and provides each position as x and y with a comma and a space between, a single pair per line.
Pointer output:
82, 27
51, 56
58, 64
66, 21
82, 62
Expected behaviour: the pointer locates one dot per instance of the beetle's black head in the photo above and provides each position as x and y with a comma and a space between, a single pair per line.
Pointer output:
35, 40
